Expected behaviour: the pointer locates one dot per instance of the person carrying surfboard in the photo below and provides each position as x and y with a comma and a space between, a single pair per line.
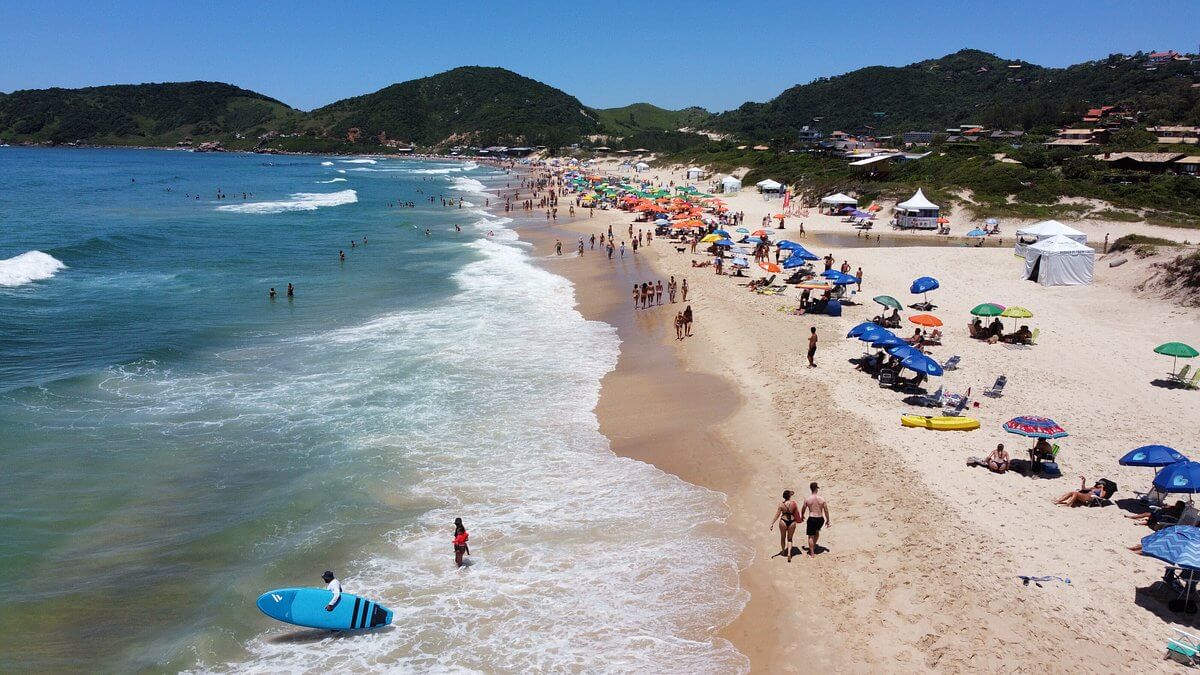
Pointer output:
334, 587
460, 542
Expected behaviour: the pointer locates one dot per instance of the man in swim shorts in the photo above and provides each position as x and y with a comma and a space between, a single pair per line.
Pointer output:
817, 512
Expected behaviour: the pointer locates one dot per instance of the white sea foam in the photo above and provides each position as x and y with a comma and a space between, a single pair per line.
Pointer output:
28, 267
469, 185
333, 180
341, 171
326, 163
583, 561
300, 201
357, 161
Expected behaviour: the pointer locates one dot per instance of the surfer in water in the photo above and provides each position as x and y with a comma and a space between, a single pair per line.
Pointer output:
334, 587
460, 542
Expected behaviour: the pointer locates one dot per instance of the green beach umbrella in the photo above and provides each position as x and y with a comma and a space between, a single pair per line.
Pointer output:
1176, 350
888, 301
987, 309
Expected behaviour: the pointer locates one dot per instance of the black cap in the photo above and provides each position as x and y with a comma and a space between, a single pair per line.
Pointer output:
328, 576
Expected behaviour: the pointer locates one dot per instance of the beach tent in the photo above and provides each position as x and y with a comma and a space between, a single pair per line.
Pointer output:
839, 200
641, 166
918, 213
695, 173
731, 184
1059, 261
1044, 230
769, 185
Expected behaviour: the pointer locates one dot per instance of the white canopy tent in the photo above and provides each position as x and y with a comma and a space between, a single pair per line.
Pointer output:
730, 184
641, 166
769, 185
918, 213
839, 199
1045, 230
695, 173
1059, 261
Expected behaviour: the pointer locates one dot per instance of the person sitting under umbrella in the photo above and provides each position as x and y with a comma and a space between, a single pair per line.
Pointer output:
1041, 450
1022, 335
1154, 518
1084, 495
917, 339
892, 321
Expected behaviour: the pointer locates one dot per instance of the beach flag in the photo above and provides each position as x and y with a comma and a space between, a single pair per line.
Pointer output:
787, 199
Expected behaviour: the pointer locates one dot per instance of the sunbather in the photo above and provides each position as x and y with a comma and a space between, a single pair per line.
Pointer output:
1154, 517
1084, 495
998, 460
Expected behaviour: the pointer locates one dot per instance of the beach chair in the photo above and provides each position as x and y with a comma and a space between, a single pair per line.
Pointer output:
934, 338
1193, 383
952, 363
887, 379
933, 400
1184, 648
997, 389
1110, 489
1181, 376
1034, 336
955, 404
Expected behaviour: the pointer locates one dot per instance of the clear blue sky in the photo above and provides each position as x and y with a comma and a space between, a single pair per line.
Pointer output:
673, 54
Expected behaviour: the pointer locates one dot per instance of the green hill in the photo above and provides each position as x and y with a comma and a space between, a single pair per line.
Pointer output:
647, 117
482, 105
149, 114
969, 86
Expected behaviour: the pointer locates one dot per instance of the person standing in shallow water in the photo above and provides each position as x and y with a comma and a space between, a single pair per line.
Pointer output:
460, 542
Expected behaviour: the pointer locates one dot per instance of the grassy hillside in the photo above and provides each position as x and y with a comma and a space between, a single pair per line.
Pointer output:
150, 114
482, 105
969, 87
637, 117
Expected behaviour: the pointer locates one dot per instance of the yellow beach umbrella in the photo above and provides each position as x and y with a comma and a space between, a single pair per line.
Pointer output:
708, 239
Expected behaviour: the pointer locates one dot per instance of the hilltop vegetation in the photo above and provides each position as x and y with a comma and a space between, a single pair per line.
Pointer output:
149, 114
639, 117
969, 86
483, 106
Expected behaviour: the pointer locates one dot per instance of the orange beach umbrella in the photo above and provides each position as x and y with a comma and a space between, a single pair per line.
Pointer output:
770, 267
927, 320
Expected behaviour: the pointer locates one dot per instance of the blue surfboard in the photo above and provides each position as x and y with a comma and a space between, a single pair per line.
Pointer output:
306, 607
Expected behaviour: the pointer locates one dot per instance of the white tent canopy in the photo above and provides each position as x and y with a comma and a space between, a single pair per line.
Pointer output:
1059, 261
641, 166
1045, 230
731, 184
918, 202
695, 172
839, 199
769, 185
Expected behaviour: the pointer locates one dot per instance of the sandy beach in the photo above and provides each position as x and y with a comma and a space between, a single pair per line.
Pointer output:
924, 552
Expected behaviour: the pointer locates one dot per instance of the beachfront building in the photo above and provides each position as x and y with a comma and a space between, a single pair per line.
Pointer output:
694, 173
1154, 162
1060, 261
917, 137
1189, 166
730, 185
917, 213
1046, 229
1173, 135
808, 136
1078, 138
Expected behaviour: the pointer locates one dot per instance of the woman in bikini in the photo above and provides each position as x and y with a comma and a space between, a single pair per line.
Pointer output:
787, 514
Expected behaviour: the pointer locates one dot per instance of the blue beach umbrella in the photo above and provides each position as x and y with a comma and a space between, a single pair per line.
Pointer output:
742, 230
724, 242
786, 245
794, 261
903, 351
923, 285
922, 364
873, 334
842, 279
753, 240
1180, 477
977, 233
885, 341
1155, 456
1174, 545
804, 254
862, 328
723, 233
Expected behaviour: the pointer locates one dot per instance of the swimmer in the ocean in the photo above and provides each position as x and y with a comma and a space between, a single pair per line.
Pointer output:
342, 255
291, 290
272, 293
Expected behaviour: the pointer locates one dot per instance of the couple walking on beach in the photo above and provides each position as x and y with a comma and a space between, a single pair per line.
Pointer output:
815, 515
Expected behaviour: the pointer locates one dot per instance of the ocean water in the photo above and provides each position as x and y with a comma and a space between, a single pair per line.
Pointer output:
174, 443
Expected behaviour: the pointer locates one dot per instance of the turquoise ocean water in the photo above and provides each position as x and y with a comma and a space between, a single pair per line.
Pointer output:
173, 442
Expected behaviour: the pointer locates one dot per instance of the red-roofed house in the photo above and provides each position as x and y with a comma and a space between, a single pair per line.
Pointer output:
1164, 57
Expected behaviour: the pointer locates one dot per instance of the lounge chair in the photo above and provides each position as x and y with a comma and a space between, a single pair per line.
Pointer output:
887, 378
952, 363
1181, 376
1184, 648
1193, 383
1034, 336
955, 404
997, 389
933, 400
934, 337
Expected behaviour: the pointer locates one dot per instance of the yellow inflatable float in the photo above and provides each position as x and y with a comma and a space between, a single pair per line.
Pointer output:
940, 423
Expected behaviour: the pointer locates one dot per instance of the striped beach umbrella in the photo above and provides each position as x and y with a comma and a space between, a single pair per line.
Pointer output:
1034, 426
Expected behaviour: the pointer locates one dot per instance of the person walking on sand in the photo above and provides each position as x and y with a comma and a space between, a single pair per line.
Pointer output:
460, 542
684, 289
672, 289
636, 296
858, 275
817, 511
558, 247
812, 347
658, 289
787, 513
678, 325
687, 321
